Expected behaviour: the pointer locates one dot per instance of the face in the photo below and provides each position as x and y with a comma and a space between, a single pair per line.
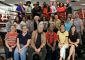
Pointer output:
62, 28
24, 19
40, 28
13, 28
24, 29
51, 27
73, 29
61, 4
36, 18
56, 16
17, 19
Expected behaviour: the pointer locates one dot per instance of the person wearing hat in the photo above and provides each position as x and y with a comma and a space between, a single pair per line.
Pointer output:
36, 11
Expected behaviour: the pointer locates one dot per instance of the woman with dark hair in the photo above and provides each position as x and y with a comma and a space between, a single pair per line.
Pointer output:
61, 11
45, 11
17, 24
73, 42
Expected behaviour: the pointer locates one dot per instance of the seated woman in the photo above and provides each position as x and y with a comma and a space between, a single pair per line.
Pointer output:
38, 43
63, 41
11, 41
73, 42
51, 39
23, 41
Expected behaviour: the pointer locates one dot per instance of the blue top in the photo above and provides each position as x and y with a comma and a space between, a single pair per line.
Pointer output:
68, 26
23, 39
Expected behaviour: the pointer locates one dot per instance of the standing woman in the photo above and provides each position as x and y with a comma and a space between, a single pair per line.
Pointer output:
63, 41
17, 24
11, 41
73, 42
23, 41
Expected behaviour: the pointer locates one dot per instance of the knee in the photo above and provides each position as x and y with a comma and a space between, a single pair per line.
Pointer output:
73, 46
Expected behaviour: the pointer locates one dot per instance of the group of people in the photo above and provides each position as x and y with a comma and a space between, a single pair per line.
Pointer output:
44, 35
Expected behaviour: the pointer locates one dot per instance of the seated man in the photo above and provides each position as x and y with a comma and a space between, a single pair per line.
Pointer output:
38, 43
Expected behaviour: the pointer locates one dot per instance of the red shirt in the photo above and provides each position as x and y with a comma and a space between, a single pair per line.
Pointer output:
11, 38
51, 37
61, 9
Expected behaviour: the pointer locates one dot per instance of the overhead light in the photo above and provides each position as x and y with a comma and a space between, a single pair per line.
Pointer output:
2, 0
82, 4
73, 1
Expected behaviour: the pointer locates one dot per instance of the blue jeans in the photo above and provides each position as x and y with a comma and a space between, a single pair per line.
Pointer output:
22, 54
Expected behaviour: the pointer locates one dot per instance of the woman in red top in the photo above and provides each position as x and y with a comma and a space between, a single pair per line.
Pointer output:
10, 41
46, 11
61, 10
51, 39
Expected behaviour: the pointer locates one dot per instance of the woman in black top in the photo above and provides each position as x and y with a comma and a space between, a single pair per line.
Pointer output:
73, 42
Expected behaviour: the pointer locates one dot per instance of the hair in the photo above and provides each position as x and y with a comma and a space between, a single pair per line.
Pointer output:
60, 4
70, 32
28, 2
14, 25
24, 26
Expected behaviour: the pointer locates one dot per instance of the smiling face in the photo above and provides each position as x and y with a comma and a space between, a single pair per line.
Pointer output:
56, 16
24, 29
13, 28
62, 28
40, 28
73, 29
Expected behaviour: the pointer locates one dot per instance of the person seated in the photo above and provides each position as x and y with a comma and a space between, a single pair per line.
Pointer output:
51, 39
63, 41
73, 42
38, 43
23, 41
10, 42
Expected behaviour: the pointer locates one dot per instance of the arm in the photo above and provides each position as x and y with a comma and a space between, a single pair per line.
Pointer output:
6, 43
44, 41
18, 45
77, 42
33, 41
28, 42
82, 26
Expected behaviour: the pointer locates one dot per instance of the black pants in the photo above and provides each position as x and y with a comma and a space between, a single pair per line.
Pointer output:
41, 56
51, 55
8, 53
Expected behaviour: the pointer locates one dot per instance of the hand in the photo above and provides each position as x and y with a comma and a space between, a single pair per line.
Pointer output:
76, 45
60, 45
38, 50
10, 49
20, 50
53, 49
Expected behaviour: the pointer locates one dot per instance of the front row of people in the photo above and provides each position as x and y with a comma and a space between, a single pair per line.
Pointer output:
40, 43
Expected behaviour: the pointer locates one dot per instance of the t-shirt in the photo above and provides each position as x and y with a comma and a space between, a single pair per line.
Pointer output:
11, 38
58, 23
61, 9
62, 36
51, 37
74, 37
23, 39
77, 23
68, 26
